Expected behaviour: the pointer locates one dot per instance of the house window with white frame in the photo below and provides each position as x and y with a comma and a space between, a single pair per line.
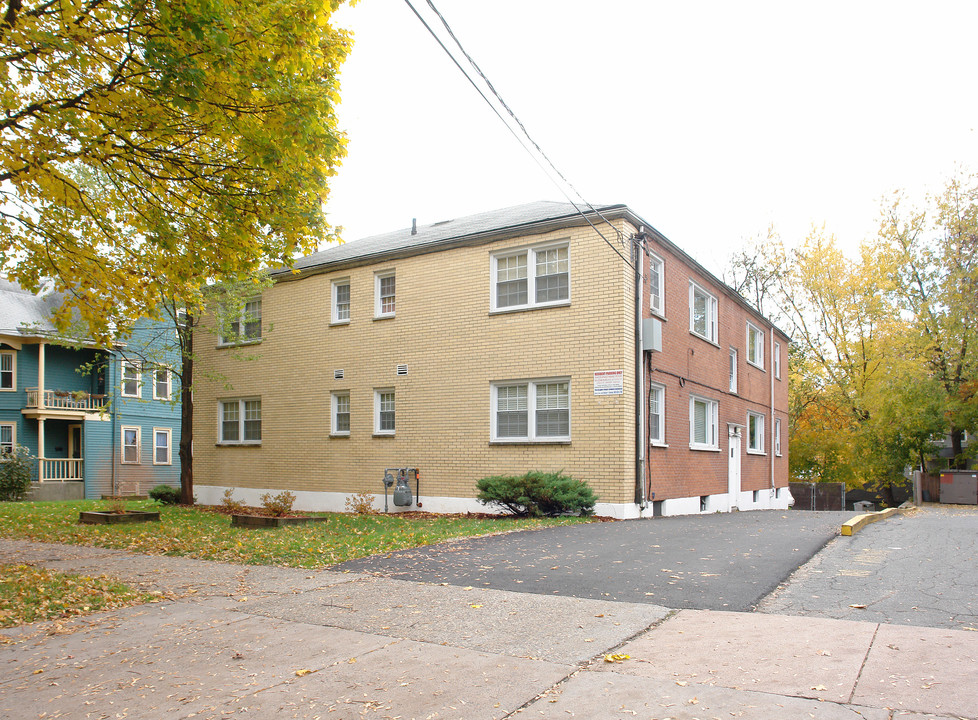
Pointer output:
755, 345
386, 296
341, 301
341, 413
702, 313
733, 370
8, 371
777, 360
657, 414
240, 420
385, 409
8, 439
130, 445
161, 384
657, 300
532, 277
244, 326
777, 436
755, 432
162, 454
131, 379
704, 423
531, 411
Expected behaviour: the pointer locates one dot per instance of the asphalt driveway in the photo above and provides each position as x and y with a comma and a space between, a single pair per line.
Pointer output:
722, 561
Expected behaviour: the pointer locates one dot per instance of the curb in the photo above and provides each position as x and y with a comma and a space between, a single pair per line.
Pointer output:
850, 527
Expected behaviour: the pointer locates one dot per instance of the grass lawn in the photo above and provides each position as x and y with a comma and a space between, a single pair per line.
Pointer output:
208, 535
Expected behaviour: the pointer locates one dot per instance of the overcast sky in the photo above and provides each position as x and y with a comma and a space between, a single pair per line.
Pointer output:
712, 120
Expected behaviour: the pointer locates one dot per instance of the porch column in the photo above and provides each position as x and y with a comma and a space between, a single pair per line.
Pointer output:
40, 443
40, 379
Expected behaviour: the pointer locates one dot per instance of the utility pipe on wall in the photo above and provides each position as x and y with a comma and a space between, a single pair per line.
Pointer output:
641, 442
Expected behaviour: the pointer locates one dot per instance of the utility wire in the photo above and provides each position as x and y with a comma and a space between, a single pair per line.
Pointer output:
514, 133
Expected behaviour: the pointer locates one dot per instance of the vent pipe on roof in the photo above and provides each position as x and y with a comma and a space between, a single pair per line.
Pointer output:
414, 226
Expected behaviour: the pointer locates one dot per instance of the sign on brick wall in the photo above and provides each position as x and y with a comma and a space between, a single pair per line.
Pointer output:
609, 382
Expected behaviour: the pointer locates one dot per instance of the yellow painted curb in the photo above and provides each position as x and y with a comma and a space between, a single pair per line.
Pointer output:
860, 521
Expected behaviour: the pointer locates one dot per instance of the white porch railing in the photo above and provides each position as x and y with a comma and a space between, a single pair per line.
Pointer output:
64, 400
59, 469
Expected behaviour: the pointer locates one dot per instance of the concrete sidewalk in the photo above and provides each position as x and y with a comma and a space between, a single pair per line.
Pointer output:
274, 642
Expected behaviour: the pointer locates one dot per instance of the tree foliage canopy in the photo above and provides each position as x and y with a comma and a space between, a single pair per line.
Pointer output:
148, 146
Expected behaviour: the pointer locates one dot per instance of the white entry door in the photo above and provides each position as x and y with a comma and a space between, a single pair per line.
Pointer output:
733, 468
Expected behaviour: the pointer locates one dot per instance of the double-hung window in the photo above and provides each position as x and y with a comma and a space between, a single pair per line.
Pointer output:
240, 420
8, 375
242, 325
341, 301
777, 360
702, 313
131, 379
733, 370
532, 277
755, 345
755, 432
657, 414
161, 384
161, 446
341, 413
130, 445
656, 285
777, 436
385, 405
531, 411
385, 287
703, 423
7, 439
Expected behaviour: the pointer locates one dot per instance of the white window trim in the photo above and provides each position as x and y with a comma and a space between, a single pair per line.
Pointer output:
169, 384
531, 409
139, 445
334, 317
241, 339
139, 378
777, 437
777, 361
660, 441
378, 276
13, 370
712, 313
757, 362
661, 310
734, 359
332, 412
531, 277
377, 393
169, 445
759, 418
13, 435
713, 422
241, 420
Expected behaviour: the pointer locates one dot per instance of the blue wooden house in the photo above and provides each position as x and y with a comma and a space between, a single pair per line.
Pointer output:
99, 421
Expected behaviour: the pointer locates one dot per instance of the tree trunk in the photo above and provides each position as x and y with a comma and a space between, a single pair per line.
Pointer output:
187, 419
957, 449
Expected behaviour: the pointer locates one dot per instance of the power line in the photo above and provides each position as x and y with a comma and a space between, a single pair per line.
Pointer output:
521, 126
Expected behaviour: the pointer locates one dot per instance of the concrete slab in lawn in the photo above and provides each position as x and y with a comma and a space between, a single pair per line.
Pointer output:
407, 680
922, 670
559, 629
611, 695
804, 657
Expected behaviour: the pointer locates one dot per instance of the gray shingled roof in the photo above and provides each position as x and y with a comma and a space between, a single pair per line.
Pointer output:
23, 312
445, 232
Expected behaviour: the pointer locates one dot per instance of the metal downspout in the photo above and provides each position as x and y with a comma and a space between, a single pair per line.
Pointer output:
110, 369
773, 489
640, 439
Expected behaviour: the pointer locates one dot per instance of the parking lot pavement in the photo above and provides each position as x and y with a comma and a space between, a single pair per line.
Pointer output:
721, 561
917, 569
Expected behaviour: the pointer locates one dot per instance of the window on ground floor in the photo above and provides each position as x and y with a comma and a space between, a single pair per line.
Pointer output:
531, 410
240, 421
703, 423
385, 405
341, 413
130, 445
755, 432
8, 437
162, 454
657, 414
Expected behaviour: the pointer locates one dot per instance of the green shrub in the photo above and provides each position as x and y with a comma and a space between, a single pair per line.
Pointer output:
279, 505
165, 494
15, 474
537, 493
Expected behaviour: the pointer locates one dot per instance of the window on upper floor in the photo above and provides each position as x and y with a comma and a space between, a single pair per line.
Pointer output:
657, 414
130, 445
531, 277
131, 379
385, 296
242, 325
340, 412
8, 438
704, 423
733, 370
531, 411
385, 406
8, 371
161, 384
162, 454
755, 432
755, 345
702, 313
240, 420
657, 300
777, 360
341, 301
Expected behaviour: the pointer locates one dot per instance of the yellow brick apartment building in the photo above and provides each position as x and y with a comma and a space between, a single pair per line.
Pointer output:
528, 338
